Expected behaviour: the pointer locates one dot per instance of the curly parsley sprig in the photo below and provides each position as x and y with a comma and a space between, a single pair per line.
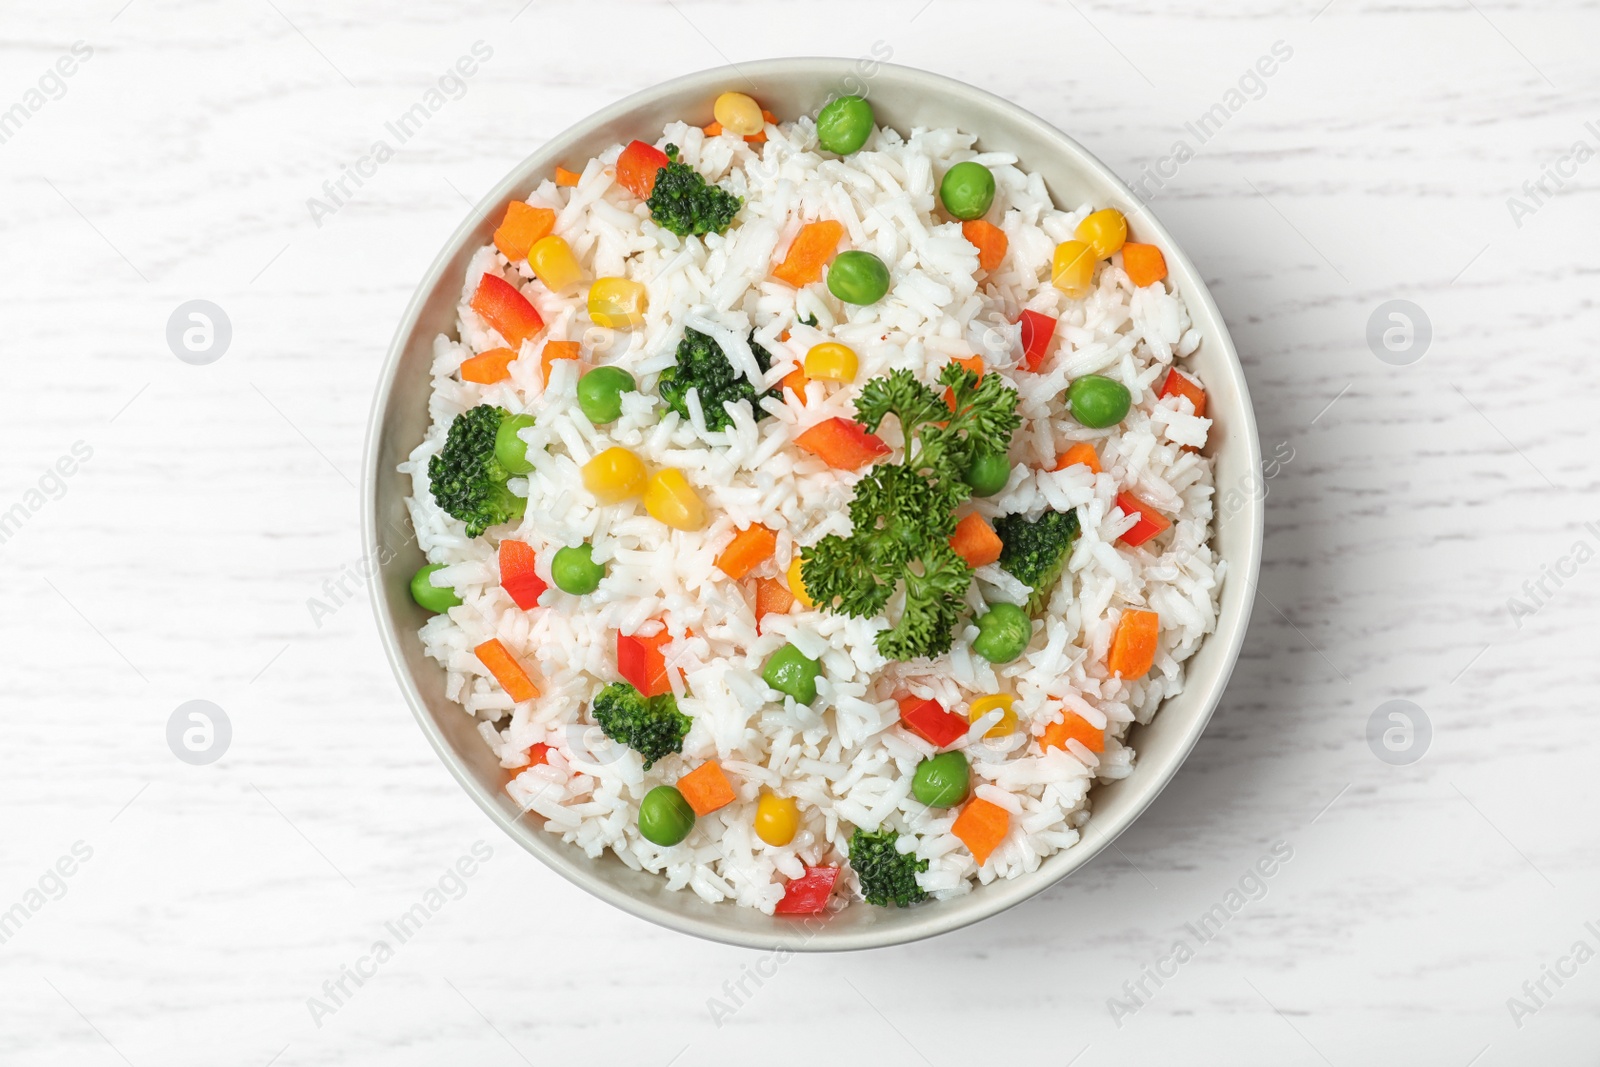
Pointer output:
903, 514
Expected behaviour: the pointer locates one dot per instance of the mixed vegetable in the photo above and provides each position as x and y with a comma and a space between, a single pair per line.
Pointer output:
910, 546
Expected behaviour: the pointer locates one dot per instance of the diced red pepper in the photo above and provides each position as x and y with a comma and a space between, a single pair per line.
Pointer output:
506, 311
773, 597
1180, 384
637, 167
809, 893
929, 721
1037, 330
517, 575
842, 444
1151, 522
538, 756
639, 660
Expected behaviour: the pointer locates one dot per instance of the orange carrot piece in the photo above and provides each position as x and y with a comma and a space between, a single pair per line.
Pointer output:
706, 788
976, 542
1144, 264
1074, 727
506, 670
1081, 452
981, 826
773, 597
523, 225
971, 363
565, 177
554, 350
713, 130
489, 367
749, 548
989, 240
1133, 646
809, 252
797, 379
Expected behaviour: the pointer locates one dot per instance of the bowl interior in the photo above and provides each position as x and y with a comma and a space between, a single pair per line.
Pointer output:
902, 98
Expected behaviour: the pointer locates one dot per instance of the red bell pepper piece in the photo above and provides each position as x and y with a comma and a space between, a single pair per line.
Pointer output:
1179, 384
1151, 521
637, 168
929, 721
1037, 330
842, 444
640, 662
809, 893
506, 311
517, 575
538, 756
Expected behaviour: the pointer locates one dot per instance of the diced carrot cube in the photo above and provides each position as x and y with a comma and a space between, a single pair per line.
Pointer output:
489, 367
1144, 264
749, 548
522, 226
511, 675
976, 542
982, 826
706, 788
1081, 452
1076, 728
1133, 645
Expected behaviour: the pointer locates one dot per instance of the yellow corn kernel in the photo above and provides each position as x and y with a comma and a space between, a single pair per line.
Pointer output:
553, 262
832, 361
672, 500
614, 475
617, 303
1105, 231
777, 819
984, 705
739, 114
796, 586
1073, 269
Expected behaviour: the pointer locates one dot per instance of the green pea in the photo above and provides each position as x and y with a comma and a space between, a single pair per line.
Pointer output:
575, 571
665, 818
600, 393
1003, 633
941, 781
792, 673
1099, 401
858, 277
967, 190
988, 473
511, 451
434, 598
844, 125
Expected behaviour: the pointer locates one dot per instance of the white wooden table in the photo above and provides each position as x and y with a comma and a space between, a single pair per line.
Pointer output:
207, 905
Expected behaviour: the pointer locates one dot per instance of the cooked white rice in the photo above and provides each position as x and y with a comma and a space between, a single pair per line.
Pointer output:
846, 758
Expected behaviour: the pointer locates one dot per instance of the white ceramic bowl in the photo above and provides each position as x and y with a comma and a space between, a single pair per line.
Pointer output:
902, 98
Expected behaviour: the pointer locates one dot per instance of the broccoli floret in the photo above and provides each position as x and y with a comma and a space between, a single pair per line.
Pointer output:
467, 479
886, 876
1034, 553
652, 726
685, 203
702, 365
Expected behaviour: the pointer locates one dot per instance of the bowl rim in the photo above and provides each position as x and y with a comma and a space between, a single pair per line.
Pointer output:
1001, 894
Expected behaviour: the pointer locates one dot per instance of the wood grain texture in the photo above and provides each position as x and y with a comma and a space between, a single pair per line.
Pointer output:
178, 560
